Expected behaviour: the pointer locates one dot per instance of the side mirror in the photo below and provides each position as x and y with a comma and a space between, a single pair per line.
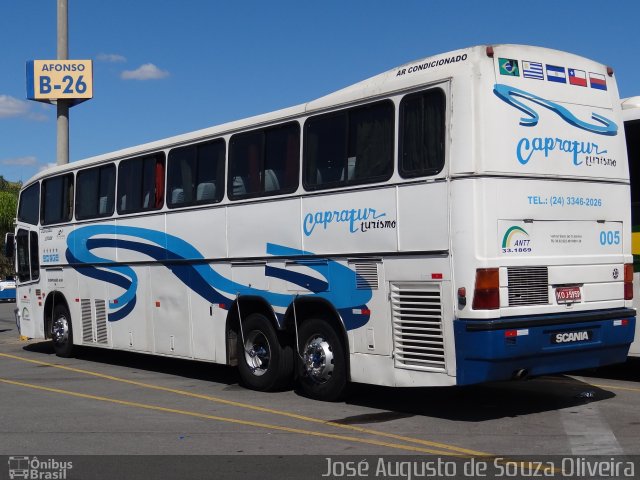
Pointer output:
9, 245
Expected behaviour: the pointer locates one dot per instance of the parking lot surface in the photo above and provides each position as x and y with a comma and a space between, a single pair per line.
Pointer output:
105, 402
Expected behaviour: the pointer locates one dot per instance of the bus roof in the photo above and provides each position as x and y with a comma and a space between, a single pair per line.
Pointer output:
413, 74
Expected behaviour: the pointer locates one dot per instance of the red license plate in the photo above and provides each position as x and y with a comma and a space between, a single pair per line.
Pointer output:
568, 294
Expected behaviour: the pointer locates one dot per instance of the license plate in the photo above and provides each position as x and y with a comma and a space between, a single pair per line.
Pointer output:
568, 294
571, 337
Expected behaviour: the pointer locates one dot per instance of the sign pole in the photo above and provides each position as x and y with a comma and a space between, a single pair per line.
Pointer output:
62, 106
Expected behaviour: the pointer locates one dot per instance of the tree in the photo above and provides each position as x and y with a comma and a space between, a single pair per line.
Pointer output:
8, 204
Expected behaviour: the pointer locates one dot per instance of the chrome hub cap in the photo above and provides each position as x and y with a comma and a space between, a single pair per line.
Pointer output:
318, 359
257, 353
60, 330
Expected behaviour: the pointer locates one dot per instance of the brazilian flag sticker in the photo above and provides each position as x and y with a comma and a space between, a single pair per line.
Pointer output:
509, 67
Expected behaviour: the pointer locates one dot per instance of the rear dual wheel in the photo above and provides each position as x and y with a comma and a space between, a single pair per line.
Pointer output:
322, 363
265, 360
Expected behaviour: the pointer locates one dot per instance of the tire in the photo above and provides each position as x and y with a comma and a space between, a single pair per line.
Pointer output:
62, 331
265, 361
322, 363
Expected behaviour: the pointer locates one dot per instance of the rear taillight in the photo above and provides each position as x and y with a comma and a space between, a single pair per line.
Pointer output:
628, 281
486, 295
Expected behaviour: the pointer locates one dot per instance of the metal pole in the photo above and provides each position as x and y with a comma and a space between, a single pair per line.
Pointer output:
63, 105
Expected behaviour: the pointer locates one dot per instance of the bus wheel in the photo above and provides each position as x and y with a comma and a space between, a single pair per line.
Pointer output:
264, 362
323, 365
62, 332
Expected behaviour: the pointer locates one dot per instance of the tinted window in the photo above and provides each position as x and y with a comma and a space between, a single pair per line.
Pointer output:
632, 132
29, 208
57, 199
196, 174
22, 254
264, 162
96, 192
422, 130
141, 184
353, 146
33, 254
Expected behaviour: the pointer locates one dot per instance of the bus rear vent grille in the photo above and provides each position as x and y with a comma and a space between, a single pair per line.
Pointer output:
528, 286
87, 325
101, 322
418, 341
367, 276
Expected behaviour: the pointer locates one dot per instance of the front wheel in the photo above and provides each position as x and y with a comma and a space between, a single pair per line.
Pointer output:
323, 365
62, 331
265, 362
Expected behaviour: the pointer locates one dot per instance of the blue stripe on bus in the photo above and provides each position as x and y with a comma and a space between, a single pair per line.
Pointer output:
201, 277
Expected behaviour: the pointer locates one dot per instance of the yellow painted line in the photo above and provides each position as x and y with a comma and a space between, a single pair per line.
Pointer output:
615, 387
598, 385
296, 416
226, 419
526, 466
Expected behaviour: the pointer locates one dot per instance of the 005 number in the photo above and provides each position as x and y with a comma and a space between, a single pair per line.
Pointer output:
610, 237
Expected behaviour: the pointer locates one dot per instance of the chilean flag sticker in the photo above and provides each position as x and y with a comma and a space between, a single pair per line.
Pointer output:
597, 81
577, 77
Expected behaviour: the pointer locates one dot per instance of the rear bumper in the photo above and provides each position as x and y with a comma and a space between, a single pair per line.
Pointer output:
488, 350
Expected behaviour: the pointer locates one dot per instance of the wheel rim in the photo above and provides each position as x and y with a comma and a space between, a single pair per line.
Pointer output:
60, 330
318, 359
257, 353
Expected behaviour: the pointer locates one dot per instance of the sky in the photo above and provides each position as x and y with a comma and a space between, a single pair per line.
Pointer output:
166, 67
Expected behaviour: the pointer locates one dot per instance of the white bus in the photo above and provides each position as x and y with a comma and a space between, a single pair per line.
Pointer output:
459, 219
631, 116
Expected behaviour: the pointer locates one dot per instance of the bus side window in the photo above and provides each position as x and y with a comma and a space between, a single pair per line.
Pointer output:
422, 133
264, 162
196, 174
29, 207
141, 184
57, 199
96, 189
349, 147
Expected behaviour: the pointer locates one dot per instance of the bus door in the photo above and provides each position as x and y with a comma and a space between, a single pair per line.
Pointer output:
29, 295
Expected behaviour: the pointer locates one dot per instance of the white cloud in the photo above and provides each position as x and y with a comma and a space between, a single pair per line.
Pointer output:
111, 58
47, 166
12, 107
20, 161
148, 71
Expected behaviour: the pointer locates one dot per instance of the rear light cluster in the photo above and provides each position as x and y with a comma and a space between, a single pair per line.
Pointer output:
628, 281
486, 294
